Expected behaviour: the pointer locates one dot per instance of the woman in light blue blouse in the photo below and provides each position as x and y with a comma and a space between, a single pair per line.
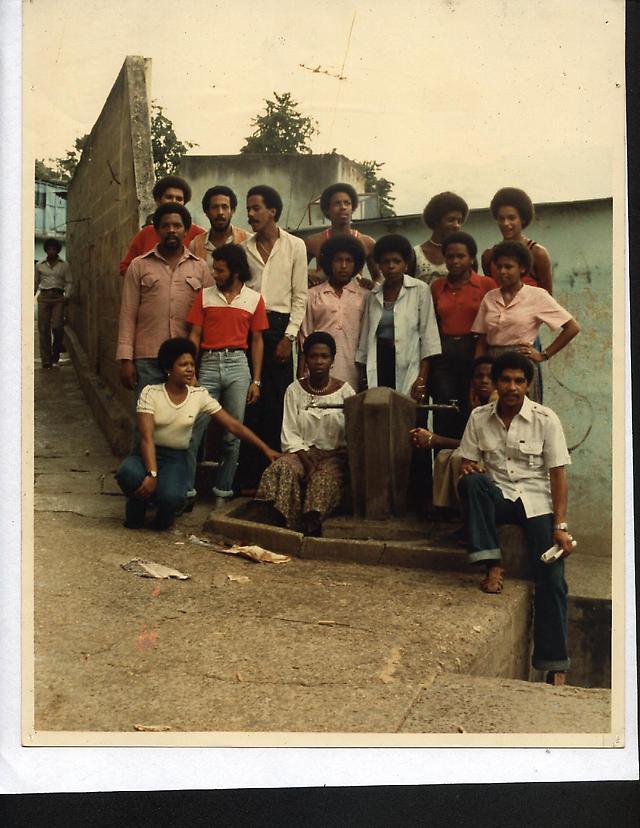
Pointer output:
399, 328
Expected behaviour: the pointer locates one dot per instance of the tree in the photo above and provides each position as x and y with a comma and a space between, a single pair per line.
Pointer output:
167, 148
282, 128
373, 183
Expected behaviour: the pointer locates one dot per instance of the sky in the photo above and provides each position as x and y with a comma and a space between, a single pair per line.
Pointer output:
462, 95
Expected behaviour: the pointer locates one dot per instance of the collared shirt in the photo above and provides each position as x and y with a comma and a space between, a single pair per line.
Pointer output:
456, 306
203, 247
58, 276
146, 239
156, 301
341, 317
282, 280
416, 332
227, 325
520, 320
518, 459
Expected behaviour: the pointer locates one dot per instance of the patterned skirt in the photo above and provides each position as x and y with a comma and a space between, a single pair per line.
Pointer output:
535, 389
294, 494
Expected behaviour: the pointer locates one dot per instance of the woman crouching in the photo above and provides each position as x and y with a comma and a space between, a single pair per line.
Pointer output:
156, 471
306, 484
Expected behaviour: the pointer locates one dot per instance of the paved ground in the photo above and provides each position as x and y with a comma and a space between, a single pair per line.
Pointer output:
302, 646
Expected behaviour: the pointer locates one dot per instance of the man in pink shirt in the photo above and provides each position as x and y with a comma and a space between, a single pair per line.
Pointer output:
158, 291
168, 190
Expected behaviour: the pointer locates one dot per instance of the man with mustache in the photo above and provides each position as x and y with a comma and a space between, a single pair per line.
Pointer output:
278, 265
513, 471
158, 290
218, 204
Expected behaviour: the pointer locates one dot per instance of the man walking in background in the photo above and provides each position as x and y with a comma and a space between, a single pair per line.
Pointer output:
53, 280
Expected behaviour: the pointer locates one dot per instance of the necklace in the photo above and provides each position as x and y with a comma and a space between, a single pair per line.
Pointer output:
434, 243
318, 390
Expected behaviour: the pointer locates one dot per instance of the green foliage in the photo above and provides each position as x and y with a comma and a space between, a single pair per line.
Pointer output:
44, 172
167, 148
282, 128
373, 183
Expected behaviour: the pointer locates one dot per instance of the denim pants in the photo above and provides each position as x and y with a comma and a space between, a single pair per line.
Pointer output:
170, 491
225, 374
149, 373
485, 508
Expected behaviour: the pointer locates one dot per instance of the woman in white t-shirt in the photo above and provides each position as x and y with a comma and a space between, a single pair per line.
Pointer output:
156, 470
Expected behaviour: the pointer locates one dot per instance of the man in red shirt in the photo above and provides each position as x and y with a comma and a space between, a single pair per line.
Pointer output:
168, 190
222, 317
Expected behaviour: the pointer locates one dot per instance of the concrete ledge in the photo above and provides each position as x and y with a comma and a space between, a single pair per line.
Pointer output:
247, 532
424, 556
112, 417
336, 549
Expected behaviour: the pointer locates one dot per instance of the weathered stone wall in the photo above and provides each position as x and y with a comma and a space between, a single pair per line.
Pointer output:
298, 178
107, 201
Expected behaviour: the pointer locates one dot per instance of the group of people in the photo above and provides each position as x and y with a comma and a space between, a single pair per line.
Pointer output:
212, 320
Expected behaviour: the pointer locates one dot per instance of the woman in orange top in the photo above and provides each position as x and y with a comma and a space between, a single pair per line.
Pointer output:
456, 300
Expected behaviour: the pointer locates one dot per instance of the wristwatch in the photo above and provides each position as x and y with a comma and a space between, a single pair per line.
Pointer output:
562, 526
256, 382
151, 474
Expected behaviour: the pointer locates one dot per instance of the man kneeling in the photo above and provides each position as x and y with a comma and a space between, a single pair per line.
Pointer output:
522, 448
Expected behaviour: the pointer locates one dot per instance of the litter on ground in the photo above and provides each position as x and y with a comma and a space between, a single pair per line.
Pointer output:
151, 569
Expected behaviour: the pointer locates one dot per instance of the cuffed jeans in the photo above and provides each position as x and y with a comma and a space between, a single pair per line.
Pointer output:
485, 508
226, 376
170, 492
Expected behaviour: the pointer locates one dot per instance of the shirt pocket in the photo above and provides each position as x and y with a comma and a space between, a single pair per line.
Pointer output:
149, 281
531, 453
492, 451
194, 282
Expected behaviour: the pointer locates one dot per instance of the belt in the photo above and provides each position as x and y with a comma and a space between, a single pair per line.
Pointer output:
458, 338
220, 350
51, 290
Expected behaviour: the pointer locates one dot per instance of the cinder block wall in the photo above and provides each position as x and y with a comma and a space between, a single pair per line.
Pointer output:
108, 200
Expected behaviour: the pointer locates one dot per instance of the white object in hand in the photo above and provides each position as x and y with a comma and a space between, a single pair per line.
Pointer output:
554, 553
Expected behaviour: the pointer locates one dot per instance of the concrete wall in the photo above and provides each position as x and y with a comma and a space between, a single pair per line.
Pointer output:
298, 178
107, 201
577, 382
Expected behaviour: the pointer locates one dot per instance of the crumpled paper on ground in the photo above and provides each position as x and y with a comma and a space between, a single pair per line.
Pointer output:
252, 553
151, 569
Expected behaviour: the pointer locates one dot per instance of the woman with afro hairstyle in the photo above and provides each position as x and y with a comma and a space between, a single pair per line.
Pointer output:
513, 211
444, 214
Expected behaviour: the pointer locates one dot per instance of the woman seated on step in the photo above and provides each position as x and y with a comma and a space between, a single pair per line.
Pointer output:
155, 473
306, 484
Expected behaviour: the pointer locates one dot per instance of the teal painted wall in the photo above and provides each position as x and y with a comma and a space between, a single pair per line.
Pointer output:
577, 382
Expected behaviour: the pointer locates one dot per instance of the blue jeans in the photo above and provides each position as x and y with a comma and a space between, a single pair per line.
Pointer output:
149, 373
225, 375
485, 508
170, 491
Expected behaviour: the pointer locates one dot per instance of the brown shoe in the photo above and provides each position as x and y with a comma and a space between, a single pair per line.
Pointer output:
493, 581
556, 678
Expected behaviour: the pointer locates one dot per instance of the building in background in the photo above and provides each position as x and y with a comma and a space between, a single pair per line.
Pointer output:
50, 215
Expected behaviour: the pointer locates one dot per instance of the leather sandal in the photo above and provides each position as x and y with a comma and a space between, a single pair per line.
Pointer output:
493, 581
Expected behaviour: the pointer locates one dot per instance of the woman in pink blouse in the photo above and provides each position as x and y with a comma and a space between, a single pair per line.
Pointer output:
337, 305
510, 316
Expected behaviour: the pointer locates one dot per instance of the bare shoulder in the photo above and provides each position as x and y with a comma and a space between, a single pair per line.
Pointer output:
539, 253
314, 243
367, 242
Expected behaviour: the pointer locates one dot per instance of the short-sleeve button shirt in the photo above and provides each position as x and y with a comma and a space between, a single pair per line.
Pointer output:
520, 320
456, 307
518, 459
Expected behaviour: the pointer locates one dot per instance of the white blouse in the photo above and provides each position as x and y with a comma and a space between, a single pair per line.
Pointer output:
426, 271
304, 426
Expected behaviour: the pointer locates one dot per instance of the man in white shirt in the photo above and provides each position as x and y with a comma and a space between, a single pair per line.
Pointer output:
278, 264
53, 280
513, 471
